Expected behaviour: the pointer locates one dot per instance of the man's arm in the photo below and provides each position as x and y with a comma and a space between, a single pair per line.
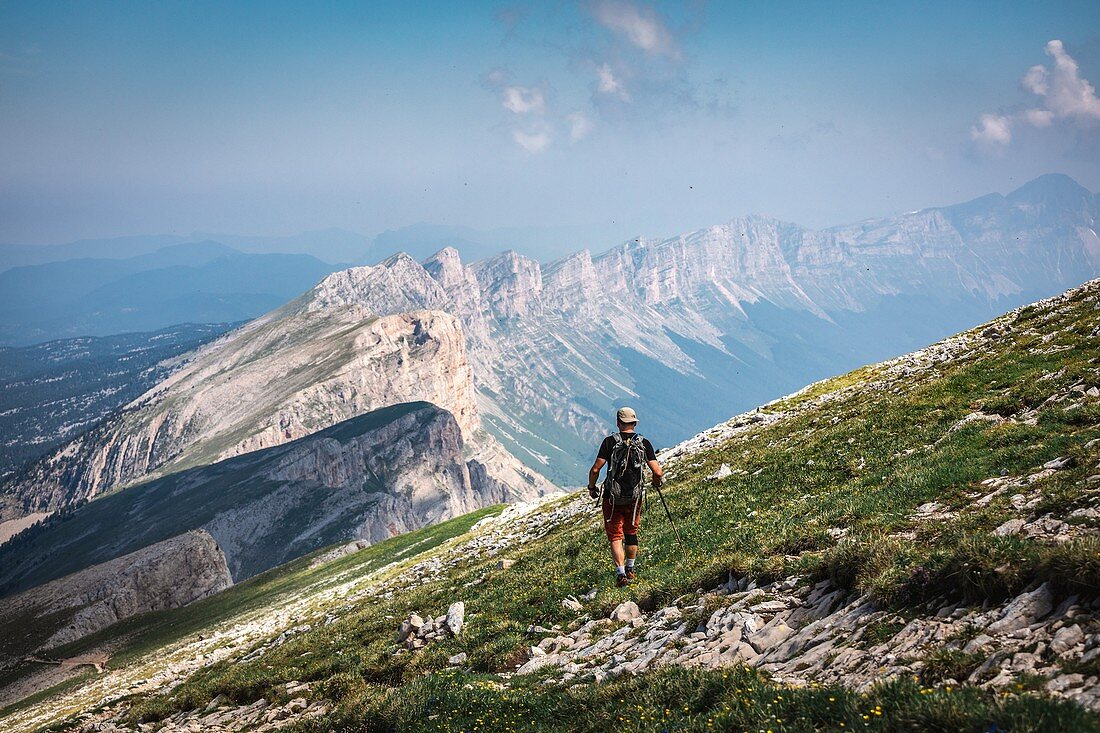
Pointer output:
658, 473
594, 476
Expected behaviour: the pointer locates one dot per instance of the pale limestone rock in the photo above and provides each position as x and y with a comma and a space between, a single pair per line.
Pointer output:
167, 574
626, 611
766, 638
456, 615
1066, 639
1012, 526
1024, 610
572, 604
720, 473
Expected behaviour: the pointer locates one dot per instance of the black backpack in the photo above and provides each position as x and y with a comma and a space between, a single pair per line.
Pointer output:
625, 482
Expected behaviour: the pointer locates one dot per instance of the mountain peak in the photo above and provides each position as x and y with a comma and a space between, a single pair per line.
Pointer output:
399, 259
1049, 187
446, 254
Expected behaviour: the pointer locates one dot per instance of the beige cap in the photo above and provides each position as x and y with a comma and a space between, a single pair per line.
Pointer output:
627, 414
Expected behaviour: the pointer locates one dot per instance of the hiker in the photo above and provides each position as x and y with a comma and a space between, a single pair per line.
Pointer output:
625, 452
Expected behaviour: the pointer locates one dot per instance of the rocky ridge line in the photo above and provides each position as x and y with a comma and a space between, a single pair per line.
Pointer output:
276, 379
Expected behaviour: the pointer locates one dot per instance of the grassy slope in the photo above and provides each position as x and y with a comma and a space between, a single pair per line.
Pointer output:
860, 452
151, 633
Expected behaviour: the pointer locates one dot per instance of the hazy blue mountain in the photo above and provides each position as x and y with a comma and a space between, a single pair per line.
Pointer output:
335, 246
34, 287
204, 282
18, 255
51, 392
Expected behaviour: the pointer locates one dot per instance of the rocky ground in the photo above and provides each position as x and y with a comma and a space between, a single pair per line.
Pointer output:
799, 632
250, 635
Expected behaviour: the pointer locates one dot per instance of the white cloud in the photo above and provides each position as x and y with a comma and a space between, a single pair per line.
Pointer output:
1064, 95
496, 78
522, 100
580, 125
1035, 80
993, 130
608, 83
1039, 117
641, 26
532, 142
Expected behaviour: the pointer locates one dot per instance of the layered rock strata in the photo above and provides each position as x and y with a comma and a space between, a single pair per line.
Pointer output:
167, 574
282, 377
367, 478
695, 327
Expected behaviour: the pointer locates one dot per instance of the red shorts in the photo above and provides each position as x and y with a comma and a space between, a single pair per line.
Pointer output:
621, 520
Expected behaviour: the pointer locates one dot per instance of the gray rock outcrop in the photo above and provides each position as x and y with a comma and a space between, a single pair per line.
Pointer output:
167, 574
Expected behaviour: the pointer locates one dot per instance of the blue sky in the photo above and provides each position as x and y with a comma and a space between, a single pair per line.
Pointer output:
604, 118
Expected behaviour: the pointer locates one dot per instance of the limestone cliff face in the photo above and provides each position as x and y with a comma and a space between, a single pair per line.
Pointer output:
687, 328
167, 574
351, 483
277, 379
367, 478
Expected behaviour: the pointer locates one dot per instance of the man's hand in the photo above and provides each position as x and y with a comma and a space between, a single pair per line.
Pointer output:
593, 491
658, 474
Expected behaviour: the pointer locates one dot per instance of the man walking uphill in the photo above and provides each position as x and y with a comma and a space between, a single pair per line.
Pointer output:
626, 453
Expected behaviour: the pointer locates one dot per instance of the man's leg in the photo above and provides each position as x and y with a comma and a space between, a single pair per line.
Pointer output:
613, 525
630, 550
618, 555
630, 539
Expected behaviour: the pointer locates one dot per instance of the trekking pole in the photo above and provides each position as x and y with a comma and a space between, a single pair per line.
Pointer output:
669, 515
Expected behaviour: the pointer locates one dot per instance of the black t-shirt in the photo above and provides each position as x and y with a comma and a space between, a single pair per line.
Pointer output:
609, 443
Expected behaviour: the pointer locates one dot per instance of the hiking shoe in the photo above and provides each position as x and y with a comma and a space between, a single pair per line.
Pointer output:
621, 580
630, 574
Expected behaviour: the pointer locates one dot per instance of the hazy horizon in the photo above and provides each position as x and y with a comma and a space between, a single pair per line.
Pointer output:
603, 119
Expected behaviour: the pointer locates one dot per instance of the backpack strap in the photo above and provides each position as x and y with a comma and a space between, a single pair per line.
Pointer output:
610, 459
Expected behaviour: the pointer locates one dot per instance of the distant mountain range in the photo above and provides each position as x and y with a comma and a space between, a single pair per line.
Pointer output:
329, 245
694, 327
687, 329
201, 282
